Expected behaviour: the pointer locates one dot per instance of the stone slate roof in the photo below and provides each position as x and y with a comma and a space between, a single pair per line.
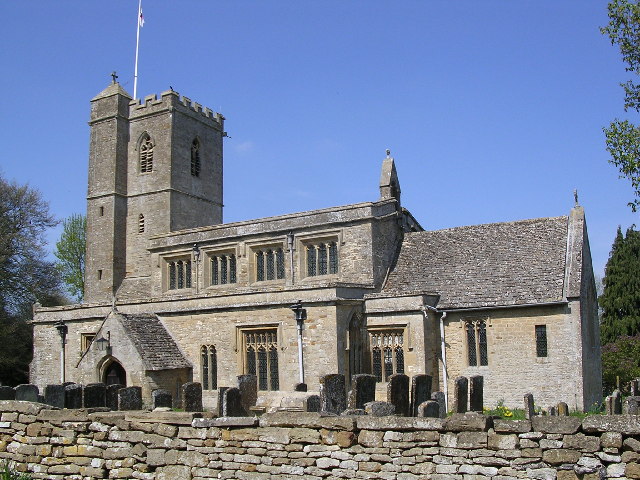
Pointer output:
495, 264
154, 344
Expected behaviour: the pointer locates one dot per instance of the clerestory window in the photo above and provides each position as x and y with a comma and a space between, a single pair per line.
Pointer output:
146, 154
223, 269
179, 273
477, 354
269, 264
322, 259
387, 353
195, 158
208, 367
261, 357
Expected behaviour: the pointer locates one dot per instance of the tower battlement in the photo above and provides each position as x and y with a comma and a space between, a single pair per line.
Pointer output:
171, 100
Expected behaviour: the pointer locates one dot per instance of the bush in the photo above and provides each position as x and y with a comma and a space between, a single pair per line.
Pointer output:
620, 358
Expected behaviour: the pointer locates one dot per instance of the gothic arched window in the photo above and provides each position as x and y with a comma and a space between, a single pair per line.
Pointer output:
261, 350
209, 367
477, 352
387, 353
195, 158
146, 154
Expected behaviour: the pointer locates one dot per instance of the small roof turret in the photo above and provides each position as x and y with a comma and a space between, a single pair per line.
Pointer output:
389, 184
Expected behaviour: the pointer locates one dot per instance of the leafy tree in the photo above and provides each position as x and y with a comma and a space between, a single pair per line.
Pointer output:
620, 359
25, 275
70, 251
620, 300
622, 136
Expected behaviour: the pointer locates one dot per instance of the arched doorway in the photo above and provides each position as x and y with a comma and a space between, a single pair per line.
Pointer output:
115, 374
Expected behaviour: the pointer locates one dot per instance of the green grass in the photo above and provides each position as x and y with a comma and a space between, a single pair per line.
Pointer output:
7, 473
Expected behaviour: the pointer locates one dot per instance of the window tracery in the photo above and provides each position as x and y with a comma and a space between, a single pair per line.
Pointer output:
146, 154
261, 357
387, 353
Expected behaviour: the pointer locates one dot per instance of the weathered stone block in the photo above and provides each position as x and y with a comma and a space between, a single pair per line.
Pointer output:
73, 396
191, 395
460, 395
130, 398
379, 409
54, 395
363, 390
248, 386
476, 393
398, 393
565, 425
27, 393
232, 403
95, 395
332, 393
459, 422
420, 391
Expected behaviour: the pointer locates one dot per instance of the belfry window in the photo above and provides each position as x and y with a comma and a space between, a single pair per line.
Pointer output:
141, 223
209, 367
223, 269
387, 353
322, 259
195, 158
146, 154
261, 357
269, 264
476, 333
179, 274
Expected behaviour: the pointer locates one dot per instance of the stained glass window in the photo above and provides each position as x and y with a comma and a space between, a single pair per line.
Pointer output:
541, 340
232, 269
477, 351
172, 275
223, 269
270, 265
273, 368
311, 261
280, 264
215, 279
322, 259
387, 353
333, 258
482, 343
261, 347
259, 266
471, 344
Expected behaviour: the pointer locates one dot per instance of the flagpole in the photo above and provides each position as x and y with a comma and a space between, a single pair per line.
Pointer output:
135, 70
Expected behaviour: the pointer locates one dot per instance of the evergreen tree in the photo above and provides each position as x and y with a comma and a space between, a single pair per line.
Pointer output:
620, 300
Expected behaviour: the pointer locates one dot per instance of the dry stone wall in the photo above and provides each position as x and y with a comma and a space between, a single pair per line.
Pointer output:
89, 444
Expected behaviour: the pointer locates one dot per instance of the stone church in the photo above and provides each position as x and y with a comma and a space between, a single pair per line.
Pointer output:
173, 294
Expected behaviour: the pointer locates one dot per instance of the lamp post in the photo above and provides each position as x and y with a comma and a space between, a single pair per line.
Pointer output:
62, 331
300, 315
196, 257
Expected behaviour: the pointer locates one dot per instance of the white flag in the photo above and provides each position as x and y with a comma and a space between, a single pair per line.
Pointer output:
141, 19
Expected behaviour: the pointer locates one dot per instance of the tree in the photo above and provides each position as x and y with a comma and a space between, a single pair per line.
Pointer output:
70, 251
620, 300
25, 275
620, 359
622, 136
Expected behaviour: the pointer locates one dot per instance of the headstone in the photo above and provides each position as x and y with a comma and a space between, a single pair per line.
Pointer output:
439, 397
313, 403
73, 396
398, 393
221, 391
161, 399
192, 397
562, 409
95, 395
617, 402
112, 395
7, 393
27, 392
551, 411
363, 390
529, 407
130, 398
54, 395
632, 405
232, 403
379, 409
634, 391
420, 391
248, 386
332, 393
608, 405
430, 408
476, 393
460, 394
300, 387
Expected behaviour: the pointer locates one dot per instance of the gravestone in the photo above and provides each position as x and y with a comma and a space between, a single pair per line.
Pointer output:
161, 399
7, 393
40, 398
221, 391
430, 408
191, 397
420, 391
439, 397
95, 395
248, 386
562, 409
73, 396
616, 403
551, 411
130, 398
54, 395
300, 387
460, 395
232, 403
27, 392
634, 390
632, 405
529, 407
398, 393
379, 409
363, 390
313, 403
112, 395
332, 393
476, 393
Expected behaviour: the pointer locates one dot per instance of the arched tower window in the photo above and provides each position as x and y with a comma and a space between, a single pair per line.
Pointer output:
146, 154
195, 158
141, 223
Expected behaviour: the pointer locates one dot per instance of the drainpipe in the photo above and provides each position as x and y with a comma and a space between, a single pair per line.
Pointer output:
62, 331
300, 314
445, 379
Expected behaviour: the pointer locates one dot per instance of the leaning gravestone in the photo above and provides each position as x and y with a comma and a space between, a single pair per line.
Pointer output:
112, 395
363, 390
430, 408
420, 391
379, 409
460, 395
54, 395
476, 392
95, 395
398, 393
248, 386
73, 396
7, 393
529, 407
130, 398
161, 399
439, 397
192, 397
313, 403
27, 392
232, 403
332, 393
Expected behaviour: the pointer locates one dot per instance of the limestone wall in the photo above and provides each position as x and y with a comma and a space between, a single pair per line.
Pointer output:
83, 445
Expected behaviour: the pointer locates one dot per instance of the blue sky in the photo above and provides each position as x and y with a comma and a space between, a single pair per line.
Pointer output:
493, 110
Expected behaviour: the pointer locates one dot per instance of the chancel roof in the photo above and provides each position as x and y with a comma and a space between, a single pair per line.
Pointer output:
154, 344
513, 263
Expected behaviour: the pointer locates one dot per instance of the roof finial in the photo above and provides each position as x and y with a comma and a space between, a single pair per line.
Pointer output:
388, 153
575, 196
114, 77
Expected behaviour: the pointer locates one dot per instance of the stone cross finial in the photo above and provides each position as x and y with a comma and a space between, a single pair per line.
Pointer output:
388, 153
575, 196
114, 76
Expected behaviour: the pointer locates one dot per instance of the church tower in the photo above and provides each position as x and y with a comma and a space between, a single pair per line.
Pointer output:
154, 167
